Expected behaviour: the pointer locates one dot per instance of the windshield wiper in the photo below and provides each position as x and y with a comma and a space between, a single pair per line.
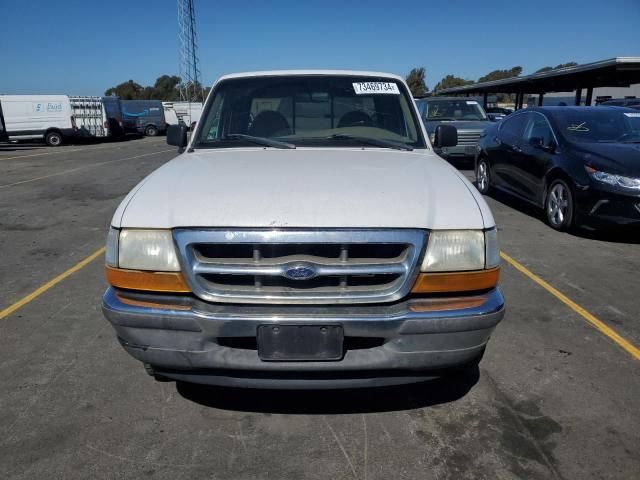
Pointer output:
267, 142
373, 141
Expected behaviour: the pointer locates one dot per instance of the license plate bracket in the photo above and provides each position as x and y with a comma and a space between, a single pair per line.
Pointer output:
300, 343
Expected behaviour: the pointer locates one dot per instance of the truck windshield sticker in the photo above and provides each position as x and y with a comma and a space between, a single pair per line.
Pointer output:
367, 88
472, 102
632, 115
578, 127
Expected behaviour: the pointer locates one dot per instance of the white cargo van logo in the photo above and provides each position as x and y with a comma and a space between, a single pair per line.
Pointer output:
48, 107
54, 107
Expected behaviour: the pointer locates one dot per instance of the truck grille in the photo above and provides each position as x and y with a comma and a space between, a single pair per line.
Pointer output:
300, 266
468, 137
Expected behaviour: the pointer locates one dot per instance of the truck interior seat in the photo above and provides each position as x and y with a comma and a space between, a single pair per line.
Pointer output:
267, 123
355, 118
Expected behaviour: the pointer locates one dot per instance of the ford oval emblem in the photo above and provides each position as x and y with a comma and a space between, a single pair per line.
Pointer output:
300, 271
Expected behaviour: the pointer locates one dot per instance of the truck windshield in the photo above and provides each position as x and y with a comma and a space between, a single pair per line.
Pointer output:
602, 126
440, 110
310, 110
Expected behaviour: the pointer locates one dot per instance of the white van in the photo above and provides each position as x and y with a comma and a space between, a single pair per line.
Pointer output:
182, 112
90, 116
46, 117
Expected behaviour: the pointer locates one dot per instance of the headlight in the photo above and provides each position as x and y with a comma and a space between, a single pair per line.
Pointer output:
142, 250
461, 250
613, 179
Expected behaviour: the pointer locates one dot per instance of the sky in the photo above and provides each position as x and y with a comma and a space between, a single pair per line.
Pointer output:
84, 47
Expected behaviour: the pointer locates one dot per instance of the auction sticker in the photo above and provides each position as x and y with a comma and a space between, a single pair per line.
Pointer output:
366, 88
632, 115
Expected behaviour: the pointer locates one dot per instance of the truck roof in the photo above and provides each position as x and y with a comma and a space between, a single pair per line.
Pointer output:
277, 73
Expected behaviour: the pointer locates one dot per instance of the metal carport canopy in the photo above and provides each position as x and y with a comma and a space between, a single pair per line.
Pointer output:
615, 72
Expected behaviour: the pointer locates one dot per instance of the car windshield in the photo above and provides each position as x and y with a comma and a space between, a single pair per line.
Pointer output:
593, 125
438, 110
310, 110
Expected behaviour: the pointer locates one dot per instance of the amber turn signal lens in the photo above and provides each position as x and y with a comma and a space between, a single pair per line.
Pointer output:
147, 281
450, 282
443, 304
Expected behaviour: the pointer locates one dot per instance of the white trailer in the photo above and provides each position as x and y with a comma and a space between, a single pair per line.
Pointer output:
90, 116
183, 112
46, 117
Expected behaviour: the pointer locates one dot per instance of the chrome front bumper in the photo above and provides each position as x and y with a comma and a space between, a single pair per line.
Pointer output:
187, 339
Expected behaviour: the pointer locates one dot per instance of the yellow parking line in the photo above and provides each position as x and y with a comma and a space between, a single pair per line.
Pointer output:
594, 321
51, 283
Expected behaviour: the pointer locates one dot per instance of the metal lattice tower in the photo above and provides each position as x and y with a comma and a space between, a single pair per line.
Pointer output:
191, 88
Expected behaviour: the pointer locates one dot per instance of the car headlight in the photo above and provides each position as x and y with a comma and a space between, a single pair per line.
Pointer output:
460, 250
614, 180
459, 261
133, 249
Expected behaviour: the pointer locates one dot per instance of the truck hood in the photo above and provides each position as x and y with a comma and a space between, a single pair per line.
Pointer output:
312, 188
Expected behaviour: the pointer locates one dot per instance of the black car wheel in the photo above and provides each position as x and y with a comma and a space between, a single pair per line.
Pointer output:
559, 205
483, 178
151, 131
53, 139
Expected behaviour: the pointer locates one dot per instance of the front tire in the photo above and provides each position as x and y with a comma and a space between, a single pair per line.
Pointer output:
483, 178
53, 139
151, 131
559, 206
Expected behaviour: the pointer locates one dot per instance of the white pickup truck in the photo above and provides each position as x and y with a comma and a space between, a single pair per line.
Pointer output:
308, 237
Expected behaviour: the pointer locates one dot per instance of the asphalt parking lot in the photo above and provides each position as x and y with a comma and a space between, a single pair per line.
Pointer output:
555, 396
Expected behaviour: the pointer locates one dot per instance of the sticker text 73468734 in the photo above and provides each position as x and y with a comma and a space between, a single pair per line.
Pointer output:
367, 88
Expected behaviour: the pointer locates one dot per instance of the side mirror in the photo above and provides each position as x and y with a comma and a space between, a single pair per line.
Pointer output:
537, 142
446, 136
177, 135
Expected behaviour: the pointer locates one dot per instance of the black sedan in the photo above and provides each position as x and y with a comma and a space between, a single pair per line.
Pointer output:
581, 164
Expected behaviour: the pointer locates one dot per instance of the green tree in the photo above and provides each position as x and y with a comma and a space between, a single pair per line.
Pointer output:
500, 74
416, 82
129, 90
561, 65
451, 81
166, 88
565, 65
